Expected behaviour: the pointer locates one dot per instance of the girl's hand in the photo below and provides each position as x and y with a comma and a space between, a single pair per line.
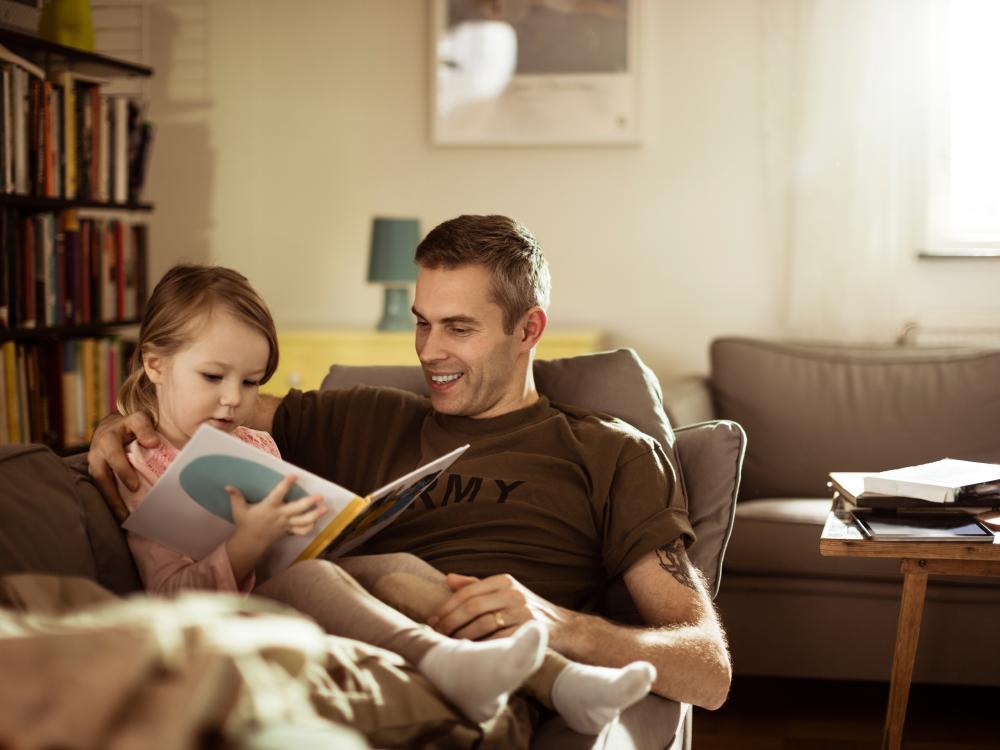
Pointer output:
272, 518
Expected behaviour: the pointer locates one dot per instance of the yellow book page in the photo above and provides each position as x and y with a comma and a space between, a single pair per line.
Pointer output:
338, 524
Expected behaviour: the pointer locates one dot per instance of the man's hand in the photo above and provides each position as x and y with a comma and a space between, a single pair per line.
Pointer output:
107, 458
492, 608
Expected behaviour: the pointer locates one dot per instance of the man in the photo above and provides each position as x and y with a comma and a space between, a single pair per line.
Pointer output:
548, 504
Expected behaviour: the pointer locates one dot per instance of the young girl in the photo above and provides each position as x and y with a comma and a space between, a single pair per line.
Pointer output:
206, 343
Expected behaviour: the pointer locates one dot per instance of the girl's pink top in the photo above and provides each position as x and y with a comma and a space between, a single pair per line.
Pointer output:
163, 570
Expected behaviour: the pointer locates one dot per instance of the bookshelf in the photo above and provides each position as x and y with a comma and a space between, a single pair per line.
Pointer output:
74, 237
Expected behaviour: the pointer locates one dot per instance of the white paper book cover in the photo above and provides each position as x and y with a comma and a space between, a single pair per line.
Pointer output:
189, 510
939, 481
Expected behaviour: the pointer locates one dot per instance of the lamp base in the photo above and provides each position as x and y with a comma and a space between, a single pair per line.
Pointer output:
396, 314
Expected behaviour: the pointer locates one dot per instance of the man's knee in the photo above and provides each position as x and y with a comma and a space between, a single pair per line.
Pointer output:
301, 578
413, 595
404, 562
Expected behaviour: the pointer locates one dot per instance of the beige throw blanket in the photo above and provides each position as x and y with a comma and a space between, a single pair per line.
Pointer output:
81, 669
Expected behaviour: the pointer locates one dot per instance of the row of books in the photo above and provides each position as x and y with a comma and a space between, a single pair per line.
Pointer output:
55, 392
63, 270
945, 500
62, 137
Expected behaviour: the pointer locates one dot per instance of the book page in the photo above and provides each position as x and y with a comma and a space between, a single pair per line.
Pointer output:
388, 502
188, 508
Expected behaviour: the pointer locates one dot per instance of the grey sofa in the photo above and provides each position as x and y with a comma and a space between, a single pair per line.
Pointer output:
809, 409
53, 520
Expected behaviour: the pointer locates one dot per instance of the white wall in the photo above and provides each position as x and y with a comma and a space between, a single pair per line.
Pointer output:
311, 116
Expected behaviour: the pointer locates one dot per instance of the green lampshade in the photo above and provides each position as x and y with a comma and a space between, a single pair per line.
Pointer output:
393, 244
391, 263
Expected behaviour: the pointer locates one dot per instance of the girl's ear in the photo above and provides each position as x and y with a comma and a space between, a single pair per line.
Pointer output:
153, 365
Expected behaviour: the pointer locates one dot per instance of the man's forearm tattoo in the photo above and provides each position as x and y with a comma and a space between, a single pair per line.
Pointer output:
673, 559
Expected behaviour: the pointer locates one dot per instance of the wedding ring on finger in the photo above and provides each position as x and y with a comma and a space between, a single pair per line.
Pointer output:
499, 618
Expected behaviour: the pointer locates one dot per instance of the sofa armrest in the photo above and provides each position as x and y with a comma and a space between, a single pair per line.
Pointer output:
688, 400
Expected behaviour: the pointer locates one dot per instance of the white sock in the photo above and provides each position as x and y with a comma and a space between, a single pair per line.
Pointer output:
589, 698
478, 676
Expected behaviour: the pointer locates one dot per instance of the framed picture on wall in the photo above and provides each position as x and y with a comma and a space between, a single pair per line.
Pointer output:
534, 72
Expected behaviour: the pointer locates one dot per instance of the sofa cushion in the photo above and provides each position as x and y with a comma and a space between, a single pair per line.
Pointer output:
53, 520
711, 455
780, 537
811, 409
616, 383
42, 528
115, 567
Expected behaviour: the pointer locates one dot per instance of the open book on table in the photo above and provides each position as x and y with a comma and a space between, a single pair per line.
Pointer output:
189, 510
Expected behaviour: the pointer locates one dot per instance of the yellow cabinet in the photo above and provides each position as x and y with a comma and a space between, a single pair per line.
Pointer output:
307, 355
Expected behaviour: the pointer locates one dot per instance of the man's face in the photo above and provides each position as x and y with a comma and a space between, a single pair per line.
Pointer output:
469, 363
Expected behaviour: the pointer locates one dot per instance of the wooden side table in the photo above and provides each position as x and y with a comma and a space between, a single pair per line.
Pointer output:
917, 560
306, 355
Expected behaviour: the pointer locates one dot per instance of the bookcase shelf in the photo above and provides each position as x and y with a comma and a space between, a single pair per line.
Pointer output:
65, 332
67, 261
50, 54
38, 203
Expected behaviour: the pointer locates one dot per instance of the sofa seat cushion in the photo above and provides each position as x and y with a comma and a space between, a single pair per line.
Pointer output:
780, 537
812, 409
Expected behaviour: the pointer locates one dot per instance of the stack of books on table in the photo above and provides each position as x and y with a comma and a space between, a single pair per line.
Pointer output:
947, 500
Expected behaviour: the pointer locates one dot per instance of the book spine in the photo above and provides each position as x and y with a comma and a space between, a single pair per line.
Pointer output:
120, 271
19, 114
6, 101
10, 387
69, 135
120, 159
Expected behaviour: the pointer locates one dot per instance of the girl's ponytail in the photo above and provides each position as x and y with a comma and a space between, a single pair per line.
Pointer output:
137, 392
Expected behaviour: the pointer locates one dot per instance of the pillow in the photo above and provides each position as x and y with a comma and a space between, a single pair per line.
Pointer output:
42, 529
812, 409
616, 383
115, 567
712, 456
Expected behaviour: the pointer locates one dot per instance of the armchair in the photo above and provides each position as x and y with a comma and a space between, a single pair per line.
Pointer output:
709, 457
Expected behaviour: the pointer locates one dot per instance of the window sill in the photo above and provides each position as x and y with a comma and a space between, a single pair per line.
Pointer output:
960, 254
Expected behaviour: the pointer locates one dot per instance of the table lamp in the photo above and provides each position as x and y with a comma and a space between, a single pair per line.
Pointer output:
391, 264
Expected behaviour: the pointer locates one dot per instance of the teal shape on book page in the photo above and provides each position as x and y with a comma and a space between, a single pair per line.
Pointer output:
205, 479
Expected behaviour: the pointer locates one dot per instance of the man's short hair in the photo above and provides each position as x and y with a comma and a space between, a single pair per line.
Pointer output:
519, 272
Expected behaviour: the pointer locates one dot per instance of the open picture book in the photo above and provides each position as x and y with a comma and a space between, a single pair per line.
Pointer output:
188, 509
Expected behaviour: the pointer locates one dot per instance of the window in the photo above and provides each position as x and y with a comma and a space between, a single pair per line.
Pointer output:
963, 215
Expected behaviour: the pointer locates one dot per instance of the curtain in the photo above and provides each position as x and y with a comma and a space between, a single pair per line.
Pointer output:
844, 108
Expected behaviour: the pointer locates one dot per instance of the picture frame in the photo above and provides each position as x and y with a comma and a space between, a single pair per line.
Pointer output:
534, 72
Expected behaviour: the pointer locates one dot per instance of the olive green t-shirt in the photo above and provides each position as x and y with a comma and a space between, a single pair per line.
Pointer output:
561, 498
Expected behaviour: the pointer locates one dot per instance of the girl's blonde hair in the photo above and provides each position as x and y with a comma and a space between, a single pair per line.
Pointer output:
184, 293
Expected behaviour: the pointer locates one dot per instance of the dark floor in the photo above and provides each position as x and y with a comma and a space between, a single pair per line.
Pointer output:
784, 714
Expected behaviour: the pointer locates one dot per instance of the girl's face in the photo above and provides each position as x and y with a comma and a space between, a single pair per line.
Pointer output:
212, 380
